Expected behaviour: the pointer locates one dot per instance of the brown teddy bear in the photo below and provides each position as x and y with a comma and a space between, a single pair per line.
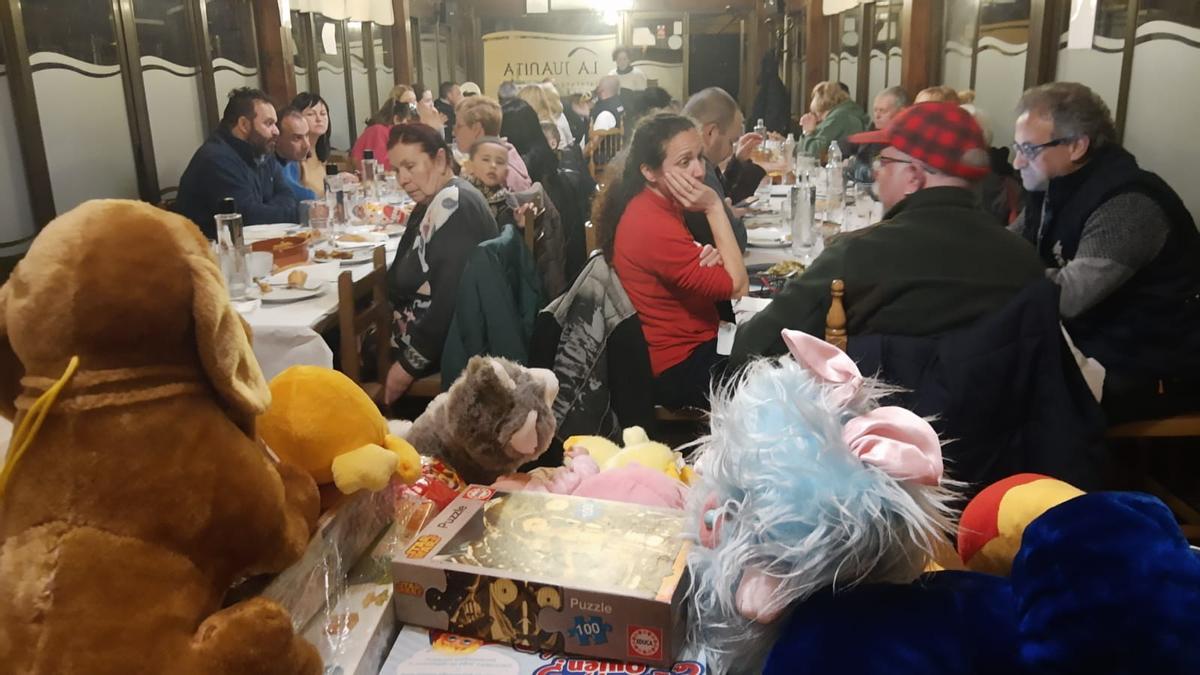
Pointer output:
134, 492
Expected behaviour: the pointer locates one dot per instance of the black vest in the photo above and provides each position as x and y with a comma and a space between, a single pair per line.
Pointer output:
1150, 326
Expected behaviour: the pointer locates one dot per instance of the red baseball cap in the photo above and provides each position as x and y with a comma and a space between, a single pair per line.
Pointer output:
941, 135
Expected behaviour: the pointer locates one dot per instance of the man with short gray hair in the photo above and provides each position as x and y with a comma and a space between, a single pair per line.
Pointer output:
1121, 245
720, 124
887, 103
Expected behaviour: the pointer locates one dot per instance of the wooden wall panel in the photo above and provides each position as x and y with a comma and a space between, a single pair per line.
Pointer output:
917, 32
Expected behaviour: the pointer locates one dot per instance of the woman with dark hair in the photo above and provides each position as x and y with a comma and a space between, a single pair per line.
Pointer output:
379, 127
519, 124
316, 112
451, 218
672, 281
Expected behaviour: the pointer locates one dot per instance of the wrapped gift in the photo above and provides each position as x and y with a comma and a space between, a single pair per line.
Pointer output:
419, 651
343, 535
600, 579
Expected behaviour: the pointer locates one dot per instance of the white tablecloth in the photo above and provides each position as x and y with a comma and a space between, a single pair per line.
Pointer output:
285, 334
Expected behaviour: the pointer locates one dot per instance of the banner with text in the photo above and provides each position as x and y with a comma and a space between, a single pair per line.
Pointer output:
575, 62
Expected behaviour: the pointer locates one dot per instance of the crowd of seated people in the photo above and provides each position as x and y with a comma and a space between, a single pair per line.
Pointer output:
1115, 239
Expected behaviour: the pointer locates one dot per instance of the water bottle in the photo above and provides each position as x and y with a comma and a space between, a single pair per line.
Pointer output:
335, 196
231, 248
761, 130
789, 156
802, 198
835, 181
371, 174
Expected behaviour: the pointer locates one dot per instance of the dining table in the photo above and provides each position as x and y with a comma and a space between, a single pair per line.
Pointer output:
289, 333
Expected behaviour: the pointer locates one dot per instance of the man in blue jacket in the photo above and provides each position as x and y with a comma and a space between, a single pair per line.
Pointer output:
236, 161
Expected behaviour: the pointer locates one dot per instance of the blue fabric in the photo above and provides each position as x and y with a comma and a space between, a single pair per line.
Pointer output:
1106, 583
226, 166
1103, 583
291, 176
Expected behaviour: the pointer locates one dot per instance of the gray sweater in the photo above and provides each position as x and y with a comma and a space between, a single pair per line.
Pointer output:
1120, 237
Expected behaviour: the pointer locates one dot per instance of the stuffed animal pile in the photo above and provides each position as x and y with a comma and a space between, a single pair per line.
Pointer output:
816, 513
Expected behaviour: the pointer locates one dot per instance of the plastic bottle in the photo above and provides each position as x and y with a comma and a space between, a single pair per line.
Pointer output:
835, 180
803, 201
789, 156
371, 174
334, 195
231, 249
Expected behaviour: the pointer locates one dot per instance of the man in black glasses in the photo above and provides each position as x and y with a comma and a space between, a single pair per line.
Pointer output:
1121, 245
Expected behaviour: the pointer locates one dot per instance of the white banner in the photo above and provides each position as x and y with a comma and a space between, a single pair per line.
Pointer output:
376, 11
575, 62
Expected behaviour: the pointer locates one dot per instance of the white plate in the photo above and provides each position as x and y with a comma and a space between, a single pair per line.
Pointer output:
360, 256
278, 295
768, 237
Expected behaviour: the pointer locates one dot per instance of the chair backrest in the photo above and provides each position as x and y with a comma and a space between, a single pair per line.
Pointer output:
602, 147
353, 321
835, 318
589, 235
529, 226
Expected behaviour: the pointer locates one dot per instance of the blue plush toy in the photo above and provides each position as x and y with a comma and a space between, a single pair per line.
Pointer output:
817, 513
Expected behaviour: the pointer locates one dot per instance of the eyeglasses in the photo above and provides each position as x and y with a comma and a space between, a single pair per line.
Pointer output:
1030, 151
882, 160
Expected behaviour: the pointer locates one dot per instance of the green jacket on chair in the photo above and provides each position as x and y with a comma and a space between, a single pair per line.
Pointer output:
499, 296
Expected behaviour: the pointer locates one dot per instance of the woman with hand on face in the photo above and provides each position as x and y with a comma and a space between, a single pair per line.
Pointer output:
671, 280
450, 219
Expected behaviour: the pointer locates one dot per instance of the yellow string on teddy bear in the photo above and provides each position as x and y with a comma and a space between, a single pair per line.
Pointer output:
27, 430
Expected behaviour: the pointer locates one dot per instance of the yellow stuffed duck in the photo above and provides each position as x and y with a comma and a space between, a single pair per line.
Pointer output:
643, 472
323, 422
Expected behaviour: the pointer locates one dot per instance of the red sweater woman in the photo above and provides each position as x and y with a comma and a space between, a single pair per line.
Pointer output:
671, 280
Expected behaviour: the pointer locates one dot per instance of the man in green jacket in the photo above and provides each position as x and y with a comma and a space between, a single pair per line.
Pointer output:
936, 262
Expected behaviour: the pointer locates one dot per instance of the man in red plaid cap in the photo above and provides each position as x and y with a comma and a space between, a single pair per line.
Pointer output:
937, 261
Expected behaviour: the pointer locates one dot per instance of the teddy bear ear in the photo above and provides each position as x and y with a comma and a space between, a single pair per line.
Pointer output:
223, 342
11, 369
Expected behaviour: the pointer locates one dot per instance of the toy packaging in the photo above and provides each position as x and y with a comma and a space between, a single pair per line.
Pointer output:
419, 651
552, 572
343, 536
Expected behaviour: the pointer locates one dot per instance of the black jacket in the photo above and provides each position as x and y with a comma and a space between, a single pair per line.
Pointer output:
936, 262
1150, 326
226, 166
591, 338
446, 109
1006, 392
772, 104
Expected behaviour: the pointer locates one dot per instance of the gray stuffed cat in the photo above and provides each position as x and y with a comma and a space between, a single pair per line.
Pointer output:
495, 417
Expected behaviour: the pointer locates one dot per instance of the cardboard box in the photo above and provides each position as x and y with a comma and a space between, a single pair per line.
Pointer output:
419, 651
556, 573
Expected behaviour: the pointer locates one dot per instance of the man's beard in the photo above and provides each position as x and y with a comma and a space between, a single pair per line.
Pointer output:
261, 144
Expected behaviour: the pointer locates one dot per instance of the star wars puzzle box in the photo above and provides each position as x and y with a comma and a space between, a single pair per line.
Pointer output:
550, 572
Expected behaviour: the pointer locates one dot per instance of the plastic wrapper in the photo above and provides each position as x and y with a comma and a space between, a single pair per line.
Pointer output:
343, 535
356, 627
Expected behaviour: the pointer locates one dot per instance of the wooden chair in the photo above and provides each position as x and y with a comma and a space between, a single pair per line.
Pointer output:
835, 318
529, 225
353, 323
602, 147
1143, 435
590, 237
